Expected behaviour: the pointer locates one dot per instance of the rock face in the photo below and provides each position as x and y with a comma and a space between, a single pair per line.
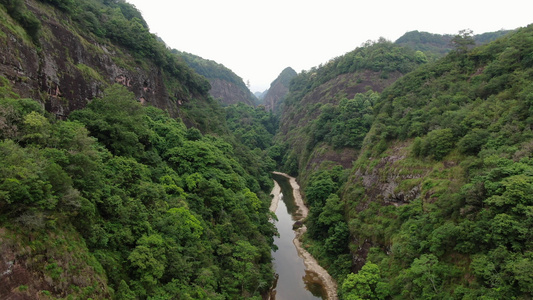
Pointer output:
296, 118
226, 86
69, 69
229, 93
279, 88
23, 274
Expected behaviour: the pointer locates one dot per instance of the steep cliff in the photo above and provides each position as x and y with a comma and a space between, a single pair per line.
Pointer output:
437, 202
316, 96
279, 88
104, 195
226, 86
65, 66
229, 93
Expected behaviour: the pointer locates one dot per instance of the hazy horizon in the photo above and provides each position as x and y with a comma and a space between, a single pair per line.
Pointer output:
258, 39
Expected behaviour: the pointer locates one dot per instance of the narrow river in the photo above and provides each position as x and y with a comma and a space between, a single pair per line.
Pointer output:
294, 281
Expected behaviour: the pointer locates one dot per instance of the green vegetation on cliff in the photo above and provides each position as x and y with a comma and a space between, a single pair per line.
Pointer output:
329, 109
211, 69
461, 133
81, 47
382, 57
225, 84
155, 210
418, 170
437, 204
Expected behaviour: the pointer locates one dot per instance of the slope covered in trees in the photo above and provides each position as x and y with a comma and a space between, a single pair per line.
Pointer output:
436, 46
117, 199
226, 86
453, 139
437, 202
123, 201
315, 120
417, 171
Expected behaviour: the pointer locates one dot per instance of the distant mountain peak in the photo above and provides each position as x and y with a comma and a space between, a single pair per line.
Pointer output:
279, 88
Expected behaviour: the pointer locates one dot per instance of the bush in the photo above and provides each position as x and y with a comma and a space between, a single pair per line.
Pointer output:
473, 141
438, 143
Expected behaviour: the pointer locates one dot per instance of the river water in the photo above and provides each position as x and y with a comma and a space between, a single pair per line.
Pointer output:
294, 281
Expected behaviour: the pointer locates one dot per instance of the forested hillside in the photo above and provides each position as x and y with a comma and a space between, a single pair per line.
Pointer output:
437, 202
104, 193
122, 178
318, 121
66, 52
439, 198
226, 86
436, 46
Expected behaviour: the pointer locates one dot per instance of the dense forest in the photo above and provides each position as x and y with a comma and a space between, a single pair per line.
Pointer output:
120, 200
436, 204
134, 198
460, 131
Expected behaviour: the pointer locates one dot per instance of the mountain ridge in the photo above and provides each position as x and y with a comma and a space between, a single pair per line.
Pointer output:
226, 86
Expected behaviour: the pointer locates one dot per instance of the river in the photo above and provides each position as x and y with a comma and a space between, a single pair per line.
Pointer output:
299, 276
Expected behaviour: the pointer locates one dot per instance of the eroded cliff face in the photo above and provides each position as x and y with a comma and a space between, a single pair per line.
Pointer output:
279, 89
30, 269
275, 94
395, 178
229, 93
69, 69
343, 86
297, 118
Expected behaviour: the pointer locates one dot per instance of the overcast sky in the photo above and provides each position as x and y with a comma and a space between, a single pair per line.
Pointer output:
257, 39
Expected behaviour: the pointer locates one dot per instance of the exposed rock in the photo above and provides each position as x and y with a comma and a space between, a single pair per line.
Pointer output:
229, 93
23, 274
69, 69
333, 91
279, 88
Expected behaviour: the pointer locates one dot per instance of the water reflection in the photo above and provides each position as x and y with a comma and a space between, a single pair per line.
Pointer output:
294, 282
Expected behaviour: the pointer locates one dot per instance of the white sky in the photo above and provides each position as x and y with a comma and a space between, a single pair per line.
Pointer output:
257, 39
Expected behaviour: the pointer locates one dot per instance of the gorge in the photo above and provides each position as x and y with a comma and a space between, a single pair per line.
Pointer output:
132, 171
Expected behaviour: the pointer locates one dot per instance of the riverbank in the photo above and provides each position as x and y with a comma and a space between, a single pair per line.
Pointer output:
275, 200
328, 283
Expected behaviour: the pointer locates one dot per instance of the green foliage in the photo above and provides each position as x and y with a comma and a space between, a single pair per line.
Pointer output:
254, 130
463, 41
65, 5
254, 127
473, 141
19, 12
436, 144
366, 284
326, 220
166, 211
345, 125
466, 232
116, 120
380, 56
